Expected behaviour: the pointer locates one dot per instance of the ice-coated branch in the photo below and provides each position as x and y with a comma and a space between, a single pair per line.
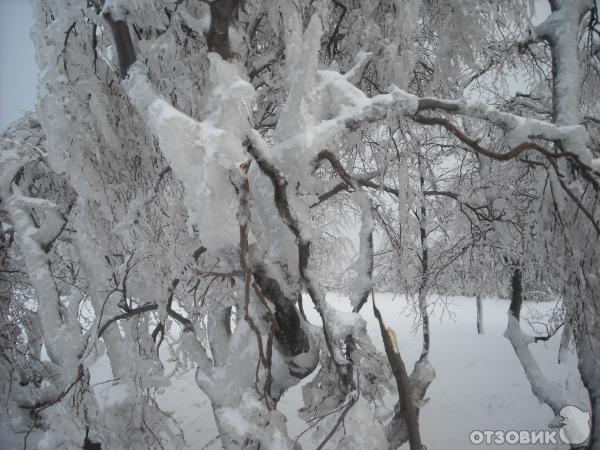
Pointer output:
127, 315
545, 391
258, 150
561, 30
55, 221
364, 265
407, 407
421, 377
291, 336
587, 170
512, 154
265, 361
61, 331
354, 75
516, 128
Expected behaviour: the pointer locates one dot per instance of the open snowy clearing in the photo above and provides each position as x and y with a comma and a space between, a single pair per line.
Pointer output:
479, 386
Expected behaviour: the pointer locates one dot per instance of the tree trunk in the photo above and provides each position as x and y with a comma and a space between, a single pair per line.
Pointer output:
479, 301
588, 348
562, 32
423, 288
516, 299
565, 342
223, 13
545, 391
123, 43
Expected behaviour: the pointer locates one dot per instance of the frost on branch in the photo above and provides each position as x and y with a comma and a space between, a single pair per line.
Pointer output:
203, 154
242, 167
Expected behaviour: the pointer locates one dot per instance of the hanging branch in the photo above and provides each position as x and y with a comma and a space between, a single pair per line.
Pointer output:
367, 220
540, 386
407, 407
265, 361
254, 147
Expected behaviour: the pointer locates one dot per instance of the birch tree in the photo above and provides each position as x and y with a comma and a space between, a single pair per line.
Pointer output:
190, 152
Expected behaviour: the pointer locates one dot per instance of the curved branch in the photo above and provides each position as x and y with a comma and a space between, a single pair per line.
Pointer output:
255, 147
127, 315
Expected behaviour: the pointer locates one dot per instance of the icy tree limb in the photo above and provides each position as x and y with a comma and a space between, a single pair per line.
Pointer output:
407, 406
265, 361
515, 151
61, 333
219, 334
589, 172
183, 321
127, 315
256, 147
565, 342
362, 286
55, 220
354, 75
512, 124
290, 334
172, 126
364, 265
546, 392
424, 259
561, 30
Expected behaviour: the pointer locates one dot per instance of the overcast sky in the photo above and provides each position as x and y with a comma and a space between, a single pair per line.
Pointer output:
18, 70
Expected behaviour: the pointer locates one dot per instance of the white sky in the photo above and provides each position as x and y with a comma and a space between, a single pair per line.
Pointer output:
18, 70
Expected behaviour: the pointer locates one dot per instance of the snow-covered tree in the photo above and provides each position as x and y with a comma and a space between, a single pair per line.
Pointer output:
176, 194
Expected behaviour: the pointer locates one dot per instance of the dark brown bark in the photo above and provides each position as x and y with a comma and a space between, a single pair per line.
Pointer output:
424, 268
123, 43
407, 407
222, 14
289, 333
89, 445
516, 299
290, 219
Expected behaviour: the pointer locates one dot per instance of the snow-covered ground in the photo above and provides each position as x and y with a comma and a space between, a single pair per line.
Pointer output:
479, 386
